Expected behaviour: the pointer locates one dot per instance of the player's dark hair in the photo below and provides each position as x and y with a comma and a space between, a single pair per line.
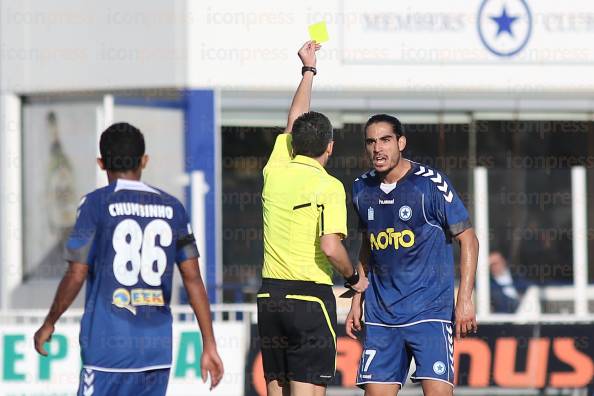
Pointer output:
397, 126
312, 132
122, 147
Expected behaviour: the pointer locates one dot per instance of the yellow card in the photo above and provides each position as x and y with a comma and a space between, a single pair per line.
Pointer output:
318, 32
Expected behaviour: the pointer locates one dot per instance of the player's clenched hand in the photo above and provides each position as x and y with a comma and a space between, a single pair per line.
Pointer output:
465, 318
43, 335
307, 53
353, 320
211, 365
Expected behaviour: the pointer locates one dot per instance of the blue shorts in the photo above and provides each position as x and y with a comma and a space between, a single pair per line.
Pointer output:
107, 383
387, 353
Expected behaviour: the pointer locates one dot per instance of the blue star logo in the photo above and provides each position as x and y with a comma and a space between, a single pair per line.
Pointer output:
504, 22
504, 26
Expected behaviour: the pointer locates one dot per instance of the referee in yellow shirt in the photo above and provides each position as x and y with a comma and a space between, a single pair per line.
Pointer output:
304, 222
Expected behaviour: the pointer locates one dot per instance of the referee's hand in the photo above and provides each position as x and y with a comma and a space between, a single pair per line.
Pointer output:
307, 53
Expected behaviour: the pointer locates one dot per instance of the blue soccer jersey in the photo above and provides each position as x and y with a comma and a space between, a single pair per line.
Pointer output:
409, 226
130, 235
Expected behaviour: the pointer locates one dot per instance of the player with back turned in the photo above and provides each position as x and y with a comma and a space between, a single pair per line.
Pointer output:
409, 215
126, 239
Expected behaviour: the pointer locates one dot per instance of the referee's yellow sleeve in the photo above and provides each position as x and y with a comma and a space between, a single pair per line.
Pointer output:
333, 216
281, 153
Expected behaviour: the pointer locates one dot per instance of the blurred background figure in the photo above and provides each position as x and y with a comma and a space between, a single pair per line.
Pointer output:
60, 194
507, 289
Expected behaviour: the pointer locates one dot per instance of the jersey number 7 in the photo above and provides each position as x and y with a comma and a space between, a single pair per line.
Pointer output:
365, 363
140, 249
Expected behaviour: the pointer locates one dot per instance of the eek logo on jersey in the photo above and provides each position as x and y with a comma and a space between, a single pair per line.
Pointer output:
122, 298
391, 237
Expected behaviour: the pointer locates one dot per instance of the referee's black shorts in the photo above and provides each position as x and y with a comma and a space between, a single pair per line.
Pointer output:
296, 322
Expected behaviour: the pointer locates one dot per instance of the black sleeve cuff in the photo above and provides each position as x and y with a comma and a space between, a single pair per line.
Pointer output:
190, 251
460, 227
80, 255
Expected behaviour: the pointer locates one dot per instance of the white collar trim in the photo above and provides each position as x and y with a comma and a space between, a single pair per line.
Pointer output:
135, 185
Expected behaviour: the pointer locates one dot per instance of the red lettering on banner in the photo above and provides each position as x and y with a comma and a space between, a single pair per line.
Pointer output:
500, 363
583, 369
347, 361
480, 361
534, 375
258, 375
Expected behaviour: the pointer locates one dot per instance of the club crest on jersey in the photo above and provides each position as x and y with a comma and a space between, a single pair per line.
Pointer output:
405, 213
370, 214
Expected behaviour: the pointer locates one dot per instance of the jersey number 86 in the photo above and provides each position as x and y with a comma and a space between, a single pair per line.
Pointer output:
140, 249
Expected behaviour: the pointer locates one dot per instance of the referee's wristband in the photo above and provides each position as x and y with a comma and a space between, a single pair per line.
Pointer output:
352, 280
309, 68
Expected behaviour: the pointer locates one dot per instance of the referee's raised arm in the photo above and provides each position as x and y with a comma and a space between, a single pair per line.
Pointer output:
302, 98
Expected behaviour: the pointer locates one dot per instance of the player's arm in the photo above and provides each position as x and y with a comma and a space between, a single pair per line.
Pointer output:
302, 98
465, 313
333, 228
353, 320
79, 254
211, 363
67, 291
448, 209
331, 245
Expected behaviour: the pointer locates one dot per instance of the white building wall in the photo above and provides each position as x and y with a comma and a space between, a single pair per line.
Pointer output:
68, 45
385, 45
376, 45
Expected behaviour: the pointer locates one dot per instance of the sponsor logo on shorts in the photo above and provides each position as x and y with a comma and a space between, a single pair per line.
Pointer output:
439, 367
366, 376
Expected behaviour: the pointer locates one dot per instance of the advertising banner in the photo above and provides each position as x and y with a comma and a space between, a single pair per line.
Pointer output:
499, 356
25, 373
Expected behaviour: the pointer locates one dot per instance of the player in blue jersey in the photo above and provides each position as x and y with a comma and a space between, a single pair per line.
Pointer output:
126, 239
409, 216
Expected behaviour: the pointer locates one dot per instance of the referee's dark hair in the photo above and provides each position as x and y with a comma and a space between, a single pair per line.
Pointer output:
312, 132
397, 126
122, 147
